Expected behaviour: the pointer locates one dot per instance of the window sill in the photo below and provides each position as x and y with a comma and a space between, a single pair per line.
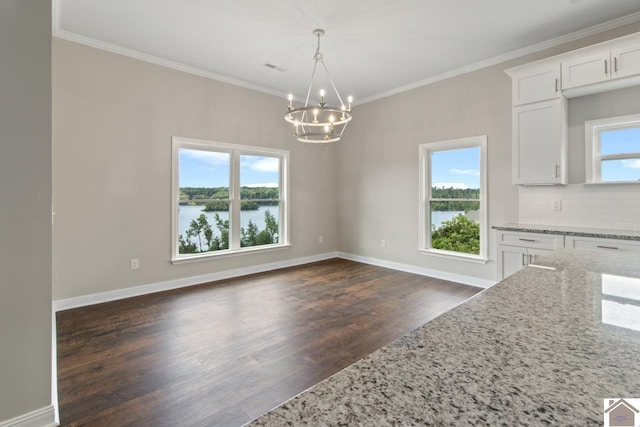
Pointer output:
208, 256
476, 259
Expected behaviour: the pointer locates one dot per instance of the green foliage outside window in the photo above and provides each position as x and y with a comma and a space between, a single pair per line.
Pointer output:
458, 235
199, 237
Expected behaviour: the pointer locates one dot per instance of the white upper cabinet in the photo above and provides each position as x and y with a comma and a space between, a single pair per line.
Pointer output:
540, 143
539, 98
586, 69
533, 84
626, 61
596, 71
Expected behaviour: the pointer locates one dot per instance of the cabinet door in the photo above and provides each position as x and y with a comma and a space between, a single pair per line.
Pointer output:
540, 143
535, 84
626, 61
534, 254
585, 70
510, 260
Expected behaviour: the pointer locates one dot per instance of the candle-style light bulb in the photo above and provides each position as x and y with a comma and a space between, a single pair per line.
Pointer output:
290, 98
350, 101
322, 92
326, 129
315, 115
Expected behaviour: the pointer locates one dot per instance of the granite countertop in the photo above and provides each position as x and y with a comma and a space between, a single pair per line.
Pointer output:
544, 346
571, 231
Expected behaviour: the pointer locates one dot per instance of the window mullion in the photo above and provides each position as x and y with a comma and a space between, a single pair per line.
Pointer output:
234, 190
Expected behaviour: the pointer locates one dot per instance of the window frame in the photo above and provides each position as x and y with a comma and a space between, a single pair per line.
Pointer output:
235, 152
425, 199
593, 158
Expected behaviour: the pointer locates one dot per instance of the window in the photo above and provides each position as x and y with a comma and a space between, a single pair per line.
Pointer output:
453, 219
612, 153
227, 199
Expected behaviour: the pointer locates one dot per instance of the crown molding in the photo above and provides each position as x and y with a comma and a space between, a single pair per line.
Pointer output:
131, 53
605, 26
87, 41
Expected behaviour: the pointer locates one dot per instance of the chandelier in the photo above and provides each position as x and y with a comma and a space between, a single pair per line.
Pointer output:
320, 123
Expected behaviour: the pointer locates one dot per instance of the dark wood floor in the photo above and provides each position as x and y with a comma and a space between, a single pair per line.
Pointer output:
226, 352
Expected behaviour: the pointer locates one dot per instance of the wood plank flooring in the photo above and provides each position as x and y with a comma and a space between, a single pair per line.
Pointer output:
222, 354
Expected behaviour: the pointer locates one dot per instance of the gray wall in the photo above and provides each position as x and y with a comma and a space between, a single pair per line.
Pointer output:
114, 118
378, 161
379, 164
25, 206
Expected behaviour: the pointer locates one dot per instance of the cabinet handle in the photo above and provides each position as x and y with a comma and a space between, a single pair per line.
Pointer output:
557, 171
606, 247
524, 260
531, 258
556, 85
606, 68
615, 64
526, 240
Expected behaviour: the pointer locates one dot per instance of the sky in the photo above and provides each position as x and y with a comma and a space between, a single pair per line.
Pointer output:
617, 142
200, 168
460, 168
450, 168
456, 168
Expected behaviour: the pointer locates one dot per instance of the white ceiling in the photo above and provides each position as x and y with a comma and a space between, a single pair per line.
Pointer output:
372, 48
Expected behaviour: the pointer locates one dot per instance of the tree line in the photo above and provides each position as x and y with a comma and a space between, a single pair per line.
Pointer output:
223, 206
454, 193
207, 193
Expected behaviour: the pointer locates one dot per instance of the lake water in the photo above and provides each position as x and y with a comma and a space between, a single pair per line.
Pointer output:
189, 213
438, 217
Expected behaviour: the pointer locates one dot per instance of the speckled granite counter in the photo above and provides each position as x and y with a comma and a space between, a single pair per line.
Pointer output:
604, 233
545, 346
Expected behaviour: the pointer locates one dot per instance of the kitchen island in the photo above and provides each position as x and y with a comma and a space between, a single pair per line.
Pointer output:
543, 347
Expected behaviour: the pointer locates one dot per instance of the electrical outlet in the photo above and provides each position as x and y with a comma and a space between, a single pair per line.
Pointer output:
320, 239
556, 205
135, 263
383, 243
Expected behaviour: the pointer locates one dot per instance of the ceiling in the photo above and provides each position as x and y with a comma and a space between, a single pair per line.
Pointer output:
373, 48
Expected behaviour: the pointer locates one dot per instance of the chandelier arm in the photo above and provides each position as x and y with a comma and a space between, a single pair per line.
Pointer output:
332, 84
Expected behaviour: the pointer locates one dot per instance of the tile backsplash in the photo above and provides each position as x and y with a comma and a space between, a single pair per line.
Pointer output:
599, 206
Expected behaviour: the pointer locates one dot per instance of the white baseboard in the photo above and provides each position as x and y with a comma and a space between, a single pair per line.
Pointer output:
97, 298
437, 274
54, 368
85, 300
43, 417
